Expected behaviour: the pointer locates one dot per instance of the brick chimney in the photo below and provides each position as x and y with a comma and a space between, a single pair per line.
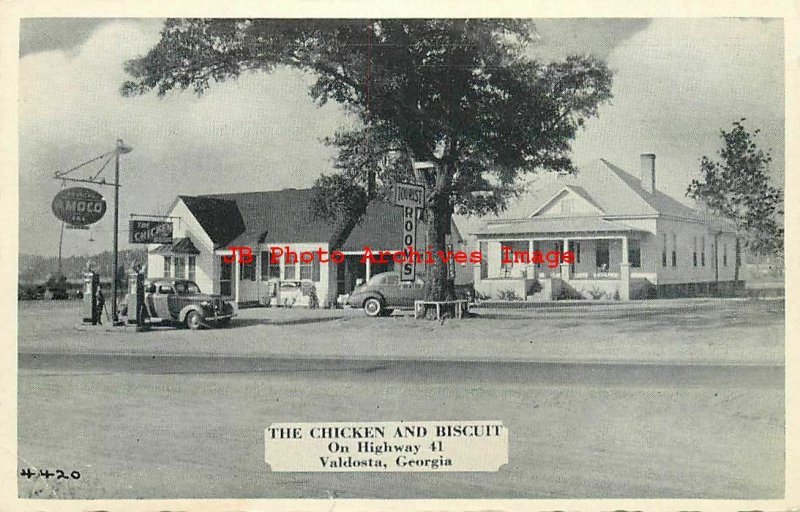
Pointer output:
648, 172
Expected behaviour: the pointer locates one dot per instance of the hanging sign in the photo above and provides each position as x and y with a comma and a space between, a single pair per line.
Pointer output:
79, 206
150, 232
411, 198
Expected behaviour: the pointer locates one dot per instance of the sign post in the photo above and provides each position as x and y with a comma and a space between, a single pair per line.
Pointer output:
410, 197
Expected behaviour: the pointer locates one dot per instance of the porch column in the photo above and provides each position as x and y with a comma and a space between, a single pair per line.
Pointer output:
624, 272
236, 271
369, 269
565, 266
530, 271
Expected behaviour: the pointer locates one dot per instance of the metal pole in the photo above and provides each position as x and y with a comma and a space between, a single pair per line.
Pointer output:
60, 243
116, 230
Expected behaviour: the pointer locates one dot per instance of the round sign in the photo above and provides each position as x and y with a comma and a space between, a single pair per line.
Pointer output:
79, 206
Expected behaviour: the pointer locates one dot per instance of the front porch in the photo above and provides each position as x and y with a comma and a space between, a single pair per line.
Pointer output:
603, 267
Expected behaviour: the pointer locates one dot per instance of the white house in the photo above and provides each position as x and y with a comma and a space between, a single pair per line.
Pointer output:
206, 227
629, 240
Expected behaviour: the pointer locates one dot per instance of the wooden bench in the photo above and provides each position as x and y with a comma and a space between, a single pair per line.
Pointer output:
461, 306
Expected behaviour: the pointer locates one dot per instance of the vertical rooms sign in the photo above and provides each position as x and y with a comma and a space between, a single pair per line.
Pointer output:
410, 197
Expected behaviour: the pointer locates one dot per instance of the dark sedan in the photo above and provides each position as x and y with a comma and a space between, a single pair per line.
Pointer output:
384, 293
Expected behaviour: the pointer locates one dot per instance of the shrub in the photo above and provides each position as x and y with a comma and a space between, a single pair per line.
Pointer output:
507, 295
597, 293
567, 293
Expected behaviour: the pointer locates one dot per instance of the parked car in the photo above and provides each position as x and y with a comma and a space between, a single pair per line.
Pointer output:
384, 293
180, 301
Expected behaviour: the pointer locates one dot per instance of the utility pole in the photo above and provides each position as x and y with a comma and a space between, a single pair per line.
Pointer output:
121, 149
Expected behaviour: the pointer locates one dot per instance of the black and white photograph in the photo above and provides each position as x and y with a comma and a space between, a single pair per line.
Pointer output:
399, 257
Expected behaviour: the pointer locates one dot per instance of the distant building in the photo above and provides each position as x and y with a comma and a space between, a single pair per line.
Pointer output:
207, 227
629, 239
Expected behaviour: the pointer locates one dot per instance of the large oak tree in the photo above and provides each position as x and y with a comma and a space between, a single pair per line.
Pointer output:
463, 94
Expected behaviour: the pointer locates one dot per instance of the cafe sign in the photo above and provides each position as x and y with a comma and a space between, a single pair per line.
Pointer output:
79, 206
150, 232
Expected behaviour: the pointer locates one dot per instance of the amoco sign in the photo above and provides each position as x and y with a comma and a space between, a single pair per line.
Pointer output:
79, 206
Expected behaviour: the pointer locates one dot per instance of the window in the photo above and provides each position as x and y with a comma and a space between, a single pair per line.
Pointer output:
536, 248
315, 270
664, 251
247, 271
674, 250
703, 251
165, 289
289, 271
186, 287
269, 270
180, 267
484, 264
167, 266
507, 256
601, 255
725, 255
634, 254
305, 271
192, 268
694, 252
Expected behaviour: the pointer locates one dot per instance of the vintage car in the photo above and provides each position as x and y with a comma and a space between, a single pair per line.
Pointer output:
384, 293
180, 301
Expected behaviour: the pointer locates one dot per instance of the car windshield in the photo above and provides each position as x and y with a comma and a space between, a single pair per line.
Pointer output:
186, 287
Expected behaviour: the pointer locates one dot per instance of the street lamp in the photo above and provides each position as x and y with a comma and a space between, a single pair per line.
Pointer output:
122, 149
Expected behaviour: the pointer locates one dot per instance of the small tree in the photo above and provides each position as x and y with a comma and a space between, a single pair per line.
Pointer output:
737, 188
461, 93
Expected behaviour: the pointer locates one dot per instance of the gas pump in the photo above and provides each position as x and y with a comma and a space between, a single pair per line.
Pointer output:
91, 283
137, 311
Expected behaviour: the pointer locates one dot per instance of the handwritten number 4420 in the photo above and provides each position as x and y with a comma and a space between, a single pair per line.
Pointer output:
46, 473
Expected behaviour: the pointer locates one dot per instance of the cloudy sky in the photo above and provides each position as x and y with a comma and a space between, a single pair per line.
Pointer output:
676, 83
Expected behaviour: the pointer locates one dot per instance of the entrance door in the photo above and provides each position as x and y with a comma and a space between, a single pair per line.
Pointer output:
225, 277
602, 256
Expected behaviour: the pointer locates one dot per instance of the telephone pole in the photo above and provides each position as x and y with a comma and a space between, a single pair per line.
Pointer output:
121, 149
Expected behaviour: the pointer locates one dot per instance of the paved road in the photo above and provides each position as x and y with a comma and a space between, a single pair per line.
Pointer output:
192, 427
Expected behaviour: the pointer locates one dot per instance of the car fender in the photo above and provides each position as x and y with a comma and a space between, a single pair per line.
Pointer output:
373, 295
191, 307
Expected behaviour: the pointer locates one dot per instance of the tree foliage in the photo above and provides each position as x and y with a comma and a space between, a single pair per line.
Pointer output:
461, 93
737, 187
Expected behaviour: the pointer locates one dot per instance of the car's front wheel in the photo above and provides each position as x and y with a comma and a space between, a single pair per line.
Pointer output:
225, 322
193, 320
373, 307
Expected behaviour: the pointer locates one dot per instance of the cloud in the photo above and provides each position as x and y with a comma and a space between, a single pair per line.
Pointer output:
677, 82
680, 81
257, 133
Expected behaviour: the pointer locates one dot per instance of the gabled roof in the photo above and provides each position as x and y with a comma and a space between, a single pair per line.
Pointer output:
660, 202
286, 216
219, 218
579, 191
617, 193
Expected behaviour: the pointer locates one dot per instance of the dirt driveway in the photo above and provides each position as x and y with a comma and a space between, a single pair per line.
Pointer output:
687, 330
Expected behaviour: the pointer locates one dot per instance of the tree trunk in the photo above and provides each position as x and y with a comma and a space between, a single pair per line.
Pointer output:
738, 264
438, 219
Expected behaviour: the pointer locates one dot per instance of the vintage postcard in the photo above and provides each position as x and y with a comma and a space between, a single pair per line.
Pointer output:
399, 257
